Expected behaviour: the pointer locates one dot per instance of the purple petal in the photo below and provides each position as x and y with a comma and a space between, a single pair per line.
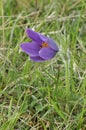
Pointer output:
47, 53
31, 48
49, 41
43, 38
52, 44
37, 59
34, 35
39, 38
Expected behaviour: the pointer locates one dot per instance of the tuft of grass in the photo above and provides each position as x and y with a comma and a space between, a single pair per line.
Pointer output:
49, 95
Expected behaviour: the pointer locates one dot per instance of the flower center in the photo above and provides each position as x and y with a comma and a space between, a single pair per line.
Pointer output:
44, 44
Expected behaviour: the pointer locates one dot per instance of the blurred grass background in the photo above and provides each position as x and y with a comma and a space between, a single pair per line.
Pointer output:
49, 95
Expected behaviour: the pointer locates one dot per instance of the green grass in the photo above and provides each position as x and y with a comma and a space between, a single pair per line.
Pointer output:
49, 95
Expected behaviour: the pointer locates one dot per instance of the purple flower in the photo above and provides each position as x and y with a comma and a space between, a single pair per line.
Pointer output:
41, 48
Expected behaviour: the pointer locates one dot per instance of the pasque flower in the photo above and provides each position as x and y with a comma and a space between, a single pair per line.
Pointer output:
41, 48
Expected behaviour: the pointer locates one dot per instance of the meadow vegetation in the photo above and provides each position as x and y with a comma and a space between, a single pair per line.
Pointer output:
49, 95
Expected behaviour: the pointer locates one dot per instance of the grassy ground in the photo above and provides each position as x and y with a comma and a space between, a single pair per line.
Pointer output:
49, 95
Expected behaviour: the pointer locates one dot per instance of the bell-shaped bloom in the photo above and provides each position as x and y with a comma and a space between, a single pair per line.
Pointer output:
41, 48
